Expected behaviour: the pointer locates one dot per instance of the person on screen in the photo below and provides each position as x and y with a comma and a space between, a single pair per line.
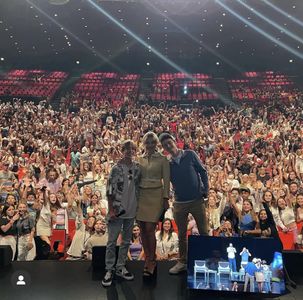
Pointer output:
231, 254
122, 191
250, 270
235, 287
267, 276
260, 277
276, 268
245, 254
190, 182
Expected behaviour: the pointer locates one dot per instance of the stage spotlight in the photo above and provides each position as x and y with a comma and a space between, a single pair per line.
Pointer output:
185, 89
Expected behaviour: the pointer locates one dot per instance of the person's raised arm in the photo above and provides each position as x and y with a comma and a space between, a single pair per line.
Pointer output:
270, 216
235, 207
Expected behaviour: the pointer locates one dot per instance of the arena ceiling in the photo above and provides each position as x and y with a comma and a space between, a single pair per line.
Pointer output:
161, 35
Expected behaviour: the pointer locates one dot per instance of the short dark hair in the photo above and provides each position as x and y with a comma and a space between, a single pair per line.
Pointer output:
127, 144
165, 136
31, 194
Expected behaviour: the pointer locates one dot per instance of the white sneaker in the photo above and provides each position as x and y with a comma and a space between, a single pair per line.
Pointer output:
178, 268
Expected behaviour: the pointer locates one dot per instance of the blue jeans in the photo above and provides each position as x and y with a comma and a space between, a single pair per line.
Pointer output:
115, 227
251, 280
232, 264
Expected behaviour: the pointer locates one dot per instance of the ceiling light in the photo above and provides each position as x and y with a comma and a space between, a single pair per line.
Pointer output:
2, 58
77, 62
217, 63
291, 61
147, 63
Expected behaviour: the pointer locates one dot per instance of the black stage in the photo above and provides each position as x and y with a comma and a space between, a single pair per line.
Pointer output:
76, 280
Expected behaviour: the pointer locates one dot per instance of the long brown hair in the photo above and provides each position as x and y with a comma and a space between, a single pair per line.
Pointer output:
252, 213
171, 230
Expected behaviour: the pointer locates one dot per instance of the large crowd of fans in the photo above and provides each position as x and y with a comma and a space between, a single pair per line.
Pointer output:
54, 167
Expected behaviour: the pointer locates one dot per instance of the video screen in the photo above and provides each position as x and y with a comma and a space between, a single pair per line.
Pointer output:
235, 265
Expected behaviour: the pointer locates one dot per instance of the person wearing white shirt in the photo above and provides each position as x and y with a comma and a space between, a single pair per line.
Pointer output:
231, 254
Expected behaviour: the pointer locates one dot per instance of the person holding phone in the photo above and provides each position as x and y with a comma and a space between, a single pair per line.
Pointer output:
26, 230
8, 230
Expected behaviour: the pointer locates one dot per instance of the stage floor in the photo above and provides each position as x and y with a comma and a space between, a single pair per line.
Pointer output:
75, 280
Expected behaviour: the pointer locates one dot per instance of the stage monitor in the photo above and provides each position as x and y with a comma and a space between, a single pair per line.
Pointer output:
235, 265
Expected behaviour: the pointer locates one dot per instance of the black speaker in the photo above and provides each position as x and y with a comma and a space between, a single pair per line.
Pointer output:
98, 257
6, 255
42, 249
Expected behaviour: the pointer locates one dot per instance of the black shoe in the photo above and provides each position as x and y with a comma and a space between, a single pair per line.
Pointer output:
148, 273
125, 274
108, 279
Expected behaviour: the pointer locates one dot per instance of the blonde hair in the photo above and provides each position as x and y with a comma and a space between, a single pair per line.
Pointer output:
148, 135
